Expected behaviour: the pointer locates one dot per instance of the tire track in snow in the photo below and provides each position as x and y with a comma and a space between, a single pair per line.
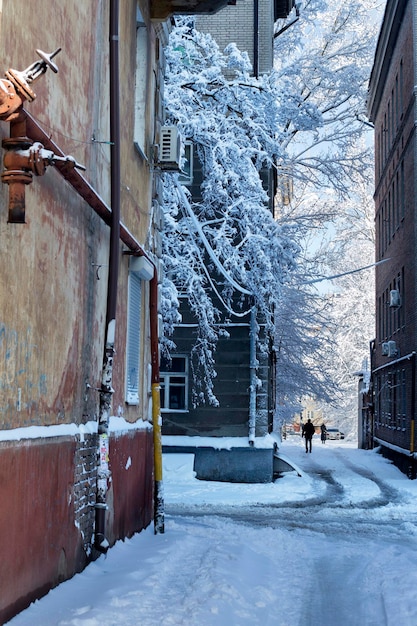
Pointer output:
389, 495
361, 514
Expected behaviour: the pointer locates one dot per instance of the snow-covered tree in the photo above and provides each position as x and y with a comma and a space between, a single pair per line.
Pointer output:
228, 247
323, 63
352, 248
305, 120
331, 48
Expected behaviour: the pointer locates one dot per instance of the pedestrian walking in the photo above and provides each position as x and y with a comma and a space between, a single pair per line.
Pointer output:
308, 432
323, 433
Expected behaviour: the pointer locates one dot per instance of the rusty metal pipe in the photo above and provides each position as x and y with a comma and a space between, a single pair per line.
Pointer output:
159, 524
16, 176
106, 391
114, 160
17, 181
81, 184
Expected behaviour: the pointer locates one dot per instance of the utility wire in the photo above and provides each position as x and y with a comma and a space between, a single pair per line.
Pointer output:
359, 269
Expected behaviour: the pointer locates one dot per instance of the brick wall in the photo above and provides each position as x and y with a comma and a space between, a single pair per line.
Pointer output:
395, 196
235, 24
392, 107
85, 473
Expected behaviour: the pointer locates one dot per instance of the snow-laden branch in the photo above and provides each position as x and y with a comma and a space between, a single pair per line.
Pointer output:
207, 246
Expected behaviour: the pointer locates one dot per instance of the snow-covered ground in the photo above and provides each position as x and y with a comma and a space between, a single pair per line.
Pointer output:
336, 546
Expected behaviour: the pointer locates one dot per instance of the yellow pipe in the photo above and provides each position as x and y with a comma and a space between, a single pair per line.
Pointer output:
159, 526
157, 438
158, 497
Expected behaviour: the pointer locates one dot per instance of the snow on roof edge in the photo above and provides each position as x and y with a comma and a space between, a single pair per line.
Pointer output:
218, 443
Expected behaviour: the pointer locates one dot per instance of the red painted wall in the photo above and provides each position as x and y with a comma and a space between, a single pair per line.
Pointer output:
41, 543
131, 464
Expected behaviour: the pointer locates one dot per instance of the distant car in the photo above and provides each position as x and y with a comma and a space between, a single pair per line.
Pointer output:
334, 433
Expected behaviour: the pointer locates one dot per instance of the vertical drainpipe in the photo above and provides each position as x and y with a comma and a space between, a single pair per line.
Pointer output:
156, 409
412, 422
256, 38
371, 417
252, 331
413, 382
252, 387
106, 391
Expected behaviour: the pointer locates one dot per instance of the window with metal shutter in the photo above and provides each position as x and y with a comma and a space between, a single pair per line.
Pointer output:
133, 339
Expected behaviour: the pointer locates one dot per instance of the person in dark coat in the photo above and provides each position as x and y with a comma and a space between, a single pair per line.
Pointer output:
323, 433
308, 432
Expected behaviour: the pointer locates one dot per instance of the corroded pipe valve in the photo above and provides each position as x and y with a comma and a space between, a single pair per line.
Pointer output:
23, 80
22, 160
10, 101
15, 88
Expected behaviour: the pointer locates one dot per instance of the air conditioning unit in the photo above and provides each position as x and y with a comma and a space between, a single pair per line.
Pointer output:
384, 348
169, 152
394, 298
142, 267
392, 348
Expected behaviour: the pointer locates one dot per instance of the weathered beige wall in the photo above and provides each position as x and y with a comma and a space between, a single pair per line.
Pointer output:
51, 302
52, 298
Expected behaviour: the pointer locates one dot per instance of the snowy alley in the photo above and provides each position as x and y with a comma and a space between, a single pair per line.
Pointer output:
334, 546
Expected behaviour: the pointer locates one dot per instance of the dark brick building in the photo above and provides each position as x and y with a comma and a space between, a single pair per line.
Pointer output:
392, 109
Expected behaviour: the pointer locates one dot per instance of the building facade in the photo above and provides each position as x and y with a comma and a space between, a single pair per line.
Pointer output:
392, 110
254, 34
80, 114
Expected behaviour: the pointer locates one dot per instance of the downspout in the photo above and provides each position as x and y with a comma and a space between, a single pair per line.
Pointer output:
256, 38
106, 390
370, 436
156, 410
413, 408
252, 386
413, 382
